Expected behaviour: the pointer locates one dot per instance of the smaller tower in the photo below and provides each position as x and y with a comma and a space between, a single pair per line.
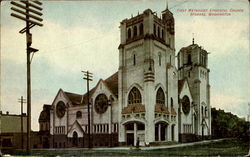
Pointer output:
192, 65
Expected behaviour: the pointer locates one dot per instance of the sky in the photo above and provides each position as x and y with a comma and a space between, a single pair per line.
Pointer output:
85, 35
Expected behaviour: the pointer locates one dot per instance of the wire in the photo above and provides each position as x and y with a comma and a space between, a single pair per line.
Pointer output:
179, 4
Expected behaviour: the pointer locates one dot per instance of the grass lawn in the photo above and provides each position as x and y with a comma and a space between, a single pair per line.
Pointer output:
231, 147
228, 147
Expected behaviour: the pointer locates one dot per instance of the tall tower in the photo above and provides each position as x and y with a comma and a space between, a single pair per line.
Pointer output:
192, 65
147, 79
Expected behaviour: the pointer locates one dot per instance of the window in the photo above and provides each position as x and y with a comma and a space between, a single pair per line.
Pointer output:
159, 32
134, 59
163, 34
78, 114
206, 113
129, 33
135, 31
172, 103
202, 111
141, 29
160, 97
134, 96
154, 30
189, 59
159, 59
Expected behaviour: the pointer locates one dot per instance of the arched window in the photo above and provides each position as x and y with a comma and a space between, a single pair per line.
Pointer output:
189, 59
135, 31
162, 34
206, 112
134, 59
129, 33
141, 29
159, 35
159, 59
172, 103
154, 30
160, 97
202, 111
78, 114
134, 96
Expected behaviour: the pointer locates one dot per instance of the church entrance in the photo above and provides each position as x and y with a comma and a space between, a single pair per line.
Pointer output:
75, 139
130, 139
135, 133
161, 131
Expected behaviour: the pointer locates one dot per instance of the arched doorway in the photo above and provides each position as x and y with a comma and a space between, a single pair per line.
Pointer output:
135, 132
161, 131
75, 139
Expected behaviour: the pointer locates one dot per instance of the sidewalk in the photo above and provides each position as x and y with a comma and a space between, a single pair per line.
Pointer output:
162, 146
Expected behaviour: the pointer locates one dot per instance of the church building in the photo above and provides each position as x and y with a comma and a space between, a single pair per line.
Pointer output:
148, 101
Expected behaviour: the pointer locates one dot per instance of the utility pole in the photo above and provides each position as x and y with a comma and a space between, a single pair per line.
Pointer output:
88, 76
22, 100
30, 19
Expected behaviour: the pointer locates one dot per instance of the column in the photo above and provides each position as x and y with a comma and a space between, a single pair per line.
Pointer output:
159, 132
135, 133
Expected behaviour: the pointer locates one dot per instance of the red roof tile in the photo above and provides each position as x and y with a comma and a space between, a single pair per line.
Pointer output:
134, 108
173, 112
160, 108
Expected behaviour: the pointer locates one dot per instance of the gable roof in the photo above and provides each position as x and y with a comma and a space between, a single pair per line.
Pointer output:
76, 123
74, 98
180, 85
111, 82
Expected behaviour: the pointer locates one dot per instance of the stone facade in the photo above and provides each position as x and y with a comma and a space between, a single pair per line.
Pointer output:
148, 101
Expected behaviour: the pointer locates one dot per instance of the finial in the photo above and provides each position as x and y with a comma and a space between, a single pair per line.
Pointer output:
193, 38
138, 12
167, 5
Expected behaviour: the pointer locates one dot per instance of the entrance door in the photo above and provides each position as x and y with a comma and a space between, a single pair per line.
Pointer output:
75, 139
163, 132
130, 139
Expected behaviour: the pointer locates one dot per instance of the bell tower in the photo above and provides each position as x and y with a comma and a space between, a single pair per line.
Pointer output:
147, 79
193, 65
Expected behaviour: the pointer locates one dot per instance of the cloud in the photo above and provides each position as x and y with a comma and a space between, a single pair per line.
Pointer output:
63, 54
235, 104
216, 35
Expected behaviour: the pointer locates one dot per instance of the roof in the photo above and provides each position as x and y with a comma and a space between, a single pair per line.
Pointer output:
133, 108
189, 47
74, 98
180, 85
45, 114
173, 112
160, 108
111, 82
